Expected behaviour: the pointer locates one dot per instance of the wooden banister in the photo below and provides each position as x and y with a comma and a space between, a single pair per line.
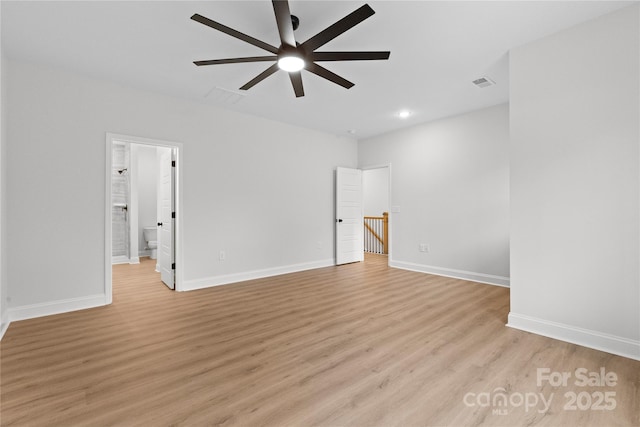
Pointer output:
371, 229
385, 228
384, 239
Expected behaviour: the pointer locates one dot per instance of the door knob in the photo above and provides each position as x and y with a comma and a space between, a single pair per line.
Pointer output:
340, 220
159, 224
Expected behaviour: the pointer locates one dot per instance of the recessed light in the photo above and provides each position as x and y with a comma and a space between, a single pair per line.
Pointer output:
404, 114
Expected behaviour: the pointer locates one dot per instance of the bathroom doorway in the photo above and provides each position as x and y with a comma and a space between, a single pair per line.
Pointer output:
143, 204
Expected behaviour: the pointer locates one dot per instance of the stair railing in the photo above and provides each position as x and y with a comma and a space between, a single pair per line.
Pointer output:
376, 234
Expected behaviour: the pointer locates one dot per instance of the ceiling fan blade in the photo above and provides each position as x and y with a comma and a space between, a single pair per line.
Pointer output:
236, 60
233, 33
283, 19
296, 81
260, 77
349, 56
333, 31
329, 75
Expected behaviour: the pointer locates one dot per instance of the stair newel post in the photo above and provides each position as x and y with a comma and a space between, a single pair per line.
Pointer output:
385, 232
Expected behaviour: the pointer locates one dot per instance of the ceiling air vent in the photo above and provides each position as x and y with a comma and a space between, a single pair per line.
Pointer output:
483, 82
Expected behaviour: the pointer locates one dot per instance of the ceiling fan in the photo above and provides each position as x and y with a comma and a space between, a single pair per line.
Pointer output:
292, 56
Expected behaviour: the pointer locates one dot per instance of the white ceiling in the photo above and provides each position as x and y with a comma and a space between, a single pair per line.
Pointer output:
437, 49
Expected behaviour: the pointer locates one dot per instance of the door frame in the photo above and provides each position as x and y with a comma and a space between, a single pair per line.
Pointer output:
391, 209
178, 241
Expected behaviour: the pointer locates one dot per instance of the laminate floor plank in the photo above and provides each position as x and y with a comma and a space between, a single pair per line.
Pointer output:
355, 345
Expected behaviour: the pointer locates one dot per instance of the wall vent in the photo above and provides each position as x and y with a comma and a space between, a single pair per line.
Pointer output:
225, 96
483, 82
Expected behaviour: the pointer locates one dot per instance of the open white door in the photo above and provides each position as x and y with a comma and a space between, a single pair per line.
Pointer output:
166, 224
349, 226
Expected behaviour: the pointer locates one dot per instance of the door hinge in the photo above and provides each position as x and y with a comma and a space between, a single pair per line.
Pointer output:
173, 266
173, 215
173, 163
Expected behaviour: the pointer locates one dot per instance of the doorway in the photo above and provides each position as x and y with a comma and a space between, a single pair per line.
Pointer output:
376, 196
136, 167
362, 194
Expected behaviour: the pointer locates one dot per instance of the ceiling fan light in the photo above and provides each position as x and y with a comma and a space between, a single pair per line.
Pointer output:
291, 63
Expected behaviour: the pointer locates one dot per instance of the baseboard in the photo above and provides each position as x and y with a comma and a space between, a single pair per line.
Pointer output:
55, 307
449, 272
4, 324
207, 282
585, 337
124, 260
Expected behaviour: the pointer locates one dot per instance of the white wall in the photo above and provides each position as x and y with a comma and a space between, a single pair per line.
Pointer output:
575, 184
450, 182
260, 190
4, 314
375, 191
147, 170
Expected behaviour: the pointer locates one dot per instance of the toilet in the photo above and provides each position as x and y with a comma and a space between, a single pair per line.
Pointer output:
150, 235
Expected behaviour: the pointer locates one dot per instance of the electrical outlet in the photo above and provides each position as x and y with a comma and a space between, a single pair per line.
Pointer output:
222, 255
423, 247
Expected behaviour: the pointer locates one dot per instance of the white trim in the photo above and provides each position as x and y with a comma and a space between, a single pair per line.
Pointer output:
4, 323
56, 307
585, 337
109, 140
489, 279
108, 219
133, 204
226, 279
122, 259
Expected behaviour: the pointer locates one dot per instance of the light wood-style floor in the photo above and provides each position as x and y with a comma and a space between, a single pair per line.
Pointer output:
355, 345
